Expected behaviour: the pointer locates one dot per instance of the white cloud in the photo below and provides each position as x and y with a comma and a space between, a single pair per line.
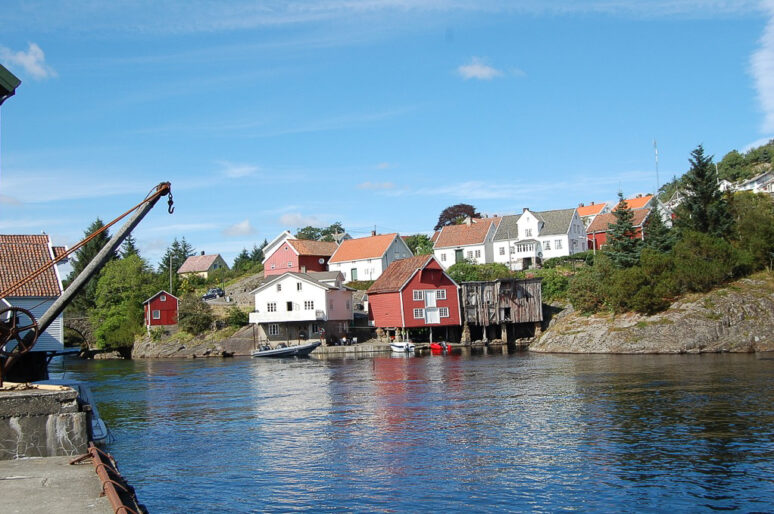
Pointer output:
376, 186
8, 200
755, 144
762, 62
243, 228
180, 228
383, 166
298, 220
478, 69
33, 61
236, 170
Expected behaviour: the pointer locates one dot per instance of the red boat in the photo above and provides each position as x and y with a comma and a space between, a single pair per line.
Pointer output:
439, 348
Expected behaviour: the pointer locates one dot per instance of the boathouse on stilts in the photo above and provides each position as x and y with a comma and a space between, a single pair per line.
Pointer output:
505, 309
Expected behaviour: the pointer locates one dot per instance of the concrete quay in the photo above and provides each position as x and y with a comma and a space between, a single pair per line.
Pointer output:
50, 484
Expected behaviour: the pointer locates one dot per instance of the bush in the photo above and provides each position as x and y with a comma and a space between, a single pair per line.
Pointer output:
194, 315
156, 334
360, 285
237, 317
586, 257
701, 262
555, 284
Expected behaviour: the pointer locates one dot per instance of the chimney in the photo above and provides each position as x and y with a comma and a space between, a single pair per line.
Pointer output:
592, 203
581, 204
202, 252
373, 232
525, 209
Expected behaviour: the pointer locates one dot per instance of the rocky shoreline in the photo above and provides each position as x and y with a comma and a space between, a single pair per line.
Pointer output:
736, 318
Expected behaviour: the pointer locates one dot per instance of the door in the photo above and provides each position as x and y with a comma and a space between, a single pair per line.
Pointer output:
353, 274
458, 256
431, 309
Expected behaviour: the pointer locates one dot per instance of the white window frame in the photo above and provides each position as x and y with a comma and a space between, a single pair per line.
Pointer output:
440, 294
419, 313
308, 305
419, 295
546, 245
443, 312
273, 329
502, 250
156, 314
273, 266
290, 264
298, 286
557, 244
279, 287
271, 307
315, 328
163, 298
478, 254
470, 254
443, 257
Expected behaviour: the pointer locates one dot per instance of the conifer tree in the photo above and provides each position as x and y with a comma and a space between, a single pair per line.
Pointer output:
623, 246
84, 301
129, 247
242, 261
657, 235
704, 208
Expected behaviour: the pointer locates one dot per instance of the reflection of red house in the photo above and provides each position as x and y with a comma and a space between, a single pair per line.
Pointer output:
596, 233
414, 293
299, 256
160, 310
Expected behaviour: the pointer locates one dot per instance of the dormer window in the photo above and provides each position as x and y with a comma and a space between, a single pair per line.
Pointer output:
163, 298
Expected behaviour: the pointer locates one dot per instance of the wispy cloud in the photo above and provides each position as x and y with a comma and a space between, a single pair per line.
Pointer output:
762, 62
47, 186
383, 166
180, 228
9, 200
243, 228
376, 186
297, 219
237, 170
478, 69
33, 61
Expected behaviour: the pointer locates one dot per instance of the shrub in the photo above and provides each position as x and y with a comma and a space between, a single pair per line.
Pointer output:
194, 315
237, 317
555, 284
702, 262
360, 285
156, 334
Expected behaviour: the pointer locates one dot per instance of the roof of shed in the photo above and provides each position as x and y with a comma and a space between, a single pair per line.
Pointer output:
21, 255
398, 273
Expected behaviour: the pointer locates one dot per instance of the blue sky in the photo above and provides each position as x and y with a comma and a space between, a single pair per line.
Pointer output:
273, 115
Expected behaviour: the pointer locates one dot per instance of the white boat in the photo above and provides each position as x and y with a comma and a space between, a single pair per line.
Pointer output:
402, 346
302, 350
99, 431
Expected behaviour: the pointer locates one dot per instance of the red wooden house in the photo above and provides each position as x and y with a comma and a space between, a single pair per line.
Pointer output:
415, 293
299, 256
596, 233
160, 310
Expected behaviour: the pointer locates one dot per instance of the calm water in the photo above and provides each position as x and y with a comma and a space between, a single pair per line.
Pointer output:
481, 433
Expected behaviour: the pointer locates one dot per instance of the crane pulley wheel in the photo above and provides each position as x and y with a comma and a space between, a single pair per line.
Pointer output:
16, 324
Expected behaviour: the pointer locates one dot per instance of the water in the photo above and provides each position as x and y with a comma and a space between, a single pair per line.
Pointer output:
469, 433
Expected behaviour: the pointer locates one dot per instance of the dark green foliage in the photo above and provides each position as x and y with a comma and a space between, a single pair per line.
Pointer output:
85, 300
466, 271
666, 191
321, 234
586, 290
554, 285
754, 216
129, 247
194, 315
455, 214
419, 244
236, 317
657, 235
360, 285
118, 312
704, 208
623, 245
173, 258
702, 262
249, 262
735, 166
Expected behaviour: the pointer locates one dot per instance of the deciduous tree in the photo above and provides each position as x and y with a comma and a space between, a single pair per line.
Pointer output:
455, 214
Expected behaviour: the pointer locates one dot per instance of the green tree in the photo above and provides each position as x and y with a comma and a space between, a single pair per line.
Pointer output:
309, 232
455, 214
236, 317
704, 208
623, 246
466, 271
129, 247
257, 255
754, 217
657, 235
84, 301
123, 286
242, 261
329, 233
174, 257
419, 244
194, 315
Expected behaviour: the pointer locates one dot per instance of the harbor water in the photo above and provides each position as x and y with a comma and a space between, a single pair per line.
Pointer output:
500, 432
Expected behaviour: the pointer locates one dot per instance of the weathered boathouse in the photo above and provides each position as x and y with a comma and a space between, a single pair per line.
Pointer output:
505, 309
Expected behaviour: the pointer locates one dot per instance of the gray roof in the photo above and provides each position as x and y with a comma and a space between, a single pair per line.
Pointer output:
324, 275
508, 228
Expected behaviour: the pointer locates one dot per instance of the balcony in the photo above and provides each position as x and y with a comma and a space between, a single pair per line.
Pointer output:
280, 316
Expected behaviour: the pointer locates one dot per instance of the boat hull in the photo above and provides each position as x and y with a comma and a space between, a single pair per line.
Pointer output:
289, 351
402, 347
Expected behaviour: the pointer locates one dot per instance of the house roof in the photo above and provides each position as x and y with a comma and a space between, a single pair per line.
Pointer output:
158, 294
637, 202
198, 263
21, 255
508, 228
556, 222
311, 247
371, 247
464, 234
602, 222
591, 210
306, 277
398, 273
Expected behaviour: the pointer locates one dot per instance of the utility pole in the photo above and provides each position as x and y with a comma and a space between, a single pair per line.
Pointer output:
170, 274
655, 151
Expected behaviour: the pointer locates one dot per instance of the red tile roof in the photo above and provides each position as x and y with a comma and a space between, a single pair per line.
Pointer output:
398, 273
20, 256
637, 202
464, 234
591, 210
372, 247
309, 247
197, 263
602, 222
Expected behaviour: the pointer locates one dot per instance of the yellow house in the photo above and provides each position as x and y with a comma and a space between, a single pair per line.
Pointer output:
202, 265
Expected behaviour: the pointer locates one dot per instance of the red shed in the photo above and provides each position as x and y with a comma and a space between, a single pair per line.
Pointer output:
414, 293
160, 310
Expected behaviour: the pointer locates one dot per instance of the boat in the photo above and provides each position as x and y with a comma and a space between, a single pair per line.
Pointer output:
302, 350
439, 348
402, 346
99, 431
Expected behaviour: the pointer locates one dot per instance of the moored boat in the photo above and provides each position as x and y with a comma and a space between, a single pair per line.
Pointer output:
402, 346
99, 431
302, 350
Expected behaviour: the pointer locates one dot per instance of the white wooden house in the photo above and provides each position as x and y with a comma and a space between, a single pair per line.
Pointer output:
470, 241
366, 258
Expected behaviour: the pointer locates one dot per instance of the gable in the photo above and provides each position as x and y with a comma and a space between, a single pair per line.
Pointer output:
372, 247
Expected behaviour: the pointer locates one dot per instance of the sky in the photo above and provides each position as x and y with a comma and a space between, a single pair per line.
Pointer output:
274, 115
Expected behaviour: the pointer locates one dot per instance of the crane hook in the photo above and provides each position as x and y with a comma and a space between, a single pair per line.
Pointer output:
170, 207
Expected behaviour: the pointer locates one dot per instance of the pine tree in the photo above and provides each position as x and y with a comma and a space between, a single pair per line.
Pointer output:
623, 246
242, 261
704, 208
657, 235
129, 247
173, 258
84, 301
256, 256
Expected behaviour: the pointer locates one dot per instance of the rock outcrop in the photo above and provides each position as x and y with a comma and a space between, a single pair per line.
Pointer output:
736, 318
241, 343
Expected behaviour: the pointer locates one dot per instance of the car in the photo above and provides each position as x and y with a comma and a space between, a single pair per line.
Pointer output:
212, 293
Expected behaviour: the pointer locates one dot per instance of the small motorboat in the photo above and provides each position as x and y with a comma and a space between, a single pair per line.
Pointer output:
99, 431
402, 346
439, 348
301, 350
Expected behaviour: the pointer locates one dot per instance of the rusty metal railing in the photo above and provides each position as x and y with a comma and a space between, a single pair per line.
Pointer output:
121, 495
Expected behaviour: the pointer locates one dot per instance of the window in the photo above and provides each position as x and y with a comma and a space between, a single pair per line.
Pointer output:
558, 244
330, 303
547, 245
443, 312
298, 286
271, 307
478, 254
502, 250
353, 274
440, 294
527, 232
290, 264
470, 254
513, 249
315, 328
443, 257
163, 298
419, 313
289, 306
273, 266
273, 329
309, 305
418, 295
279, 287
156, 314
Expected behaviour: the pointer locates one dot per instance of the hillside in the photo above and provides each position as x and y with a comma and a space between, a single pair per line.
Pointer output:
735, 318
